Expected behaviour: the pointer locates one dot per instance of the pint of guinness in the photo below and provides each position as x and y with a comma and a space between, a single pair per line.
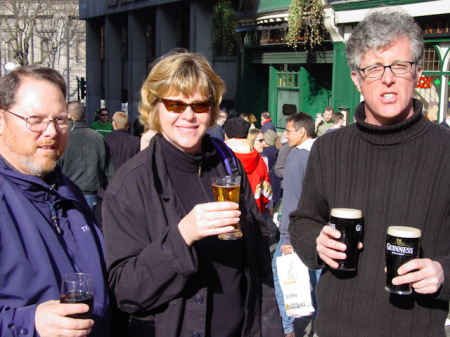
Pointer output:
348, 221
402, 245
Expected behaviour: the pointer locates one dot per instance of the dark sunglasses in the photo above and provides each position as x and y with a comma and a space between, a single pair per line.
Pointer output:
103, 114
179, 106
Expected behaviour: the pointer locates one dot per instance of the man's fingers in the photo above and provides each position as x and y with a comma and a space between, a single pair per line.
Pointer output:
217, 206
425, 275
331, 232
66, 309
75, 333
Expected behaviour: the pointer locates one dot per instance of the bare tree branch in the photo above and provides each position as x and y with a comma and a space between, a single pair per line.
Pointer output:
51, 23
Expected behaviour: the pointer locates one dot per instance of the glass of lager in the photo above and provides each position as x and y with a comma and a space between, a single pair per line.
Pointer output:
227, 189
348, 221
402, 245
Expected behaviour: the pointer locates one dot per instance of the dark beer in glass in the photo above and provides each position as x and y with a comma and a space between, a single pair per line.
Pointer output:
77, 288
402, 245
348, 221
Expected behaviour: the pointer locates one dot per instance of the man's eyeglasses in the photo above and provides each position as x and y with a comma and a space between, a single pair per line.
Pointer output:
397, 68
289, 131
180, 106
39, 124
104, 115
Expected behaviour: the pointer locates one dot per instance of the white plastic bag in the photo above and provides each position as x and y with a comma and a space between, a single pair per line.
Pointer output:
294, 281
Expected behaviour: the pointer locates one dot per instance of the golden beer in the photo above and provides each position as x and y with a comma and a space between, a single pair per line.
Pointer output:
227, 189
227, 193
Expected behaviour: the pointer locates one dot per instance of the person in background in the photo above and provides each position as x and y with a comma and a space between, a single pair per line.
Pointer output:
266, 123
46, 227
338, 121
217, 129
122, 145
146, 138
170, 273
256, 140
323, 124
281, 158
384, 166
300, 133
102, 125
446, 122
249, 117
138, 128
270, 151
236, 132
87, 159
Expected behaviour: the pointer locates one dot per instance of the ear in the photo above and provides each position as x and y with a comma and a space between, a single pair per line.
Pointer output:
418, 75
302, 131
356, 81
2, 122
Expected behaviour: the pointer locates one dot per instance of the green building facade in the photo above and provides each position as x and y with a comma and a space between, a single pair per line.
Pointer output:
276, 78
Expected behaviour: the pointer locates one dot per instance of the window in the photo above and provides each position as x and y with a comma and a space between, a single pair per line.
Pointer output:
431, 59
81, 50
45, 47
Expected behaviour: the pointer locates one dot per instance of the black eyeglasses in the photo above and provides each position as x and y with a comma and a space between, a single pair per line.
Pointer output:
179, 106
39, 124
104, 115
397, 68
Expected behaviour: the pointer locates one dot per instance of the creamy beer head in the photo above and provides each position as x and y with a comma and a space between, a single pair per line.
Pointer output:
346, 213
404, 232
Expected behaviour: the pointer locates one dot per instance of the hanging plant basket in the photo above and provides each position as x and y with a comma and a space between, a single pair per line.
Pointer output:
224, 25
305, 24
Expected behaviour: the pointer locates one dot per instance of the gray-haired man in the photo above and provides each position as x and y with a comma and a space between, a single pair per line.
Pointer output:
383, 165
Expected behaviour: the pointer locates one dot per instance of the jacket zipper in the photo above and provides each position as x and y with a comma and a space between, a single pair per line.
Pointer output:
61, 232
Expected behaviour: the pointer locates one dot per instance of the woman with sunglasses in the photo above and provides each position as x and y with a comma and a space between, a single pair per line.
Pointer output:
170, 274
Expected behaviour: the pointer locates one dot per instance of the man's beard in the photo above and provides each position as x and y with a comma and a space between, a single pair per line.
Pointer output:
38, 170
25, 155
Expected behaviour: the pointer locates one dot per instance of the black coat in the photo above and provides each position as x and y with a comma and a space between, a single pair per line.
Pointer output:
122, 145
153, 273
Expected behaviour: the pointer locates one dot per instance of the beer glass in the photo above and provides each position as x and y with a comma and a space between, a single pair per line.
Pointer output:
402, 245
77, 288
227, 189
348, 221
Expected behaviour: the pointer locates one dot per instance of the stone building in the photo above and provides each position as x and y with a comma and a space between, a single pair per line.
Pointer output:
44, 32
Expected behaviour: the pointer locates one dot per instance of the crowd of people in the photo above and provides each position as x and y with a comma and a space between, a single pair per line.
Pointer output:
138, 212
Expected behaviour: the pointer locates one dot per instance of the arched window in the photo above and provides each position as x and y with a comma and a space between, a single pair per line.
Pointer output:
431, 59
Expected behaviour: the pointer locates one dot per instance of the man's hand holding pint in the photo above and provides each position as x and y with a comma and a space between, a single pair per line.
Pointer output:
425, 275
329, 249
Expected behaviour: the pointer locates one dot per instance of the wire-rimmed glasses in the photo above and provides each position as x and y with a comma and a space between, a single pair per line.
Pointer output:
39, 124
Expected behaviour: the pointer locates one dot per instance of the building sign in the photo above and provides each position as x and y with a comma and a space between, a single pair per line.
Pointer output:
435, 27
424, 82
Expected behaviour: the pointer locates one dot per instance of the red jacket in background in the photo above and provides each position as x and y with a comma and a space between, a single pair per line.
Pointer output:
258, 176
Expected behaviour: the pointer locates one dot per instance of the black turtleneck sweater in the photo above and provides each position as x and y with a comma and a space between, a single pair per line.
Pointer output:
223, 262
397, 175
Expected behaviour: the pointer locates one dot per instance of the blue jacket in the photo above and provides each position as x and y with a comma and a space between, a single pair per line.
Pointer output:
268, 126
34, 256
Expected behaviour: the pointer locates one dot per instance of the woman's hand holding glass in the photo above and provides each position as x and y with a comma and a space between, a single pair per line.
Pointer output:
212, 218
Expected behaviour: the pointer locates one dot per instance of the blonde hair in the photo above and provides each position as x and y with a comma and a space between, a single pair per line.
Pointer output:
179, 72
120, 120
252, 134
